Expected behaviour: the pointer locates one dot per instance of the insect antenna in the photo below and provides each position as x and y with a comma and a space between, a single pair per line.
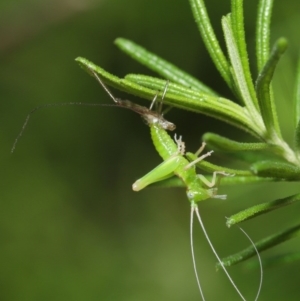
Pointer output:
260, 264
54, 105
192, 250
194, 209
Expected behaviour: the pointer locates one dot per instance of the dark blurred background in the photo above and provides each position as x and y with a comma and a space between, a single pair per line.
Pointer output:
71, 227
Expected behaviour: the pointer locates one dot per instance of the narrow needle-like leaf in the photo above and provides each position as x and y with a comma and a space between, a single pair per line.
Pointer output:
237, 20
297, 138
178, 89
263, 82
158, 84
238, 72
275, 169
210, 40
262, 245
263, 32
162, 67
221, 143
297, 108
261, 209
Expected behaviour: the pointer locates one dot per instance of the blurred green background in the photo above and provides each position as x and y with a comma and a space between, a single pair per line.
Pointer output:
71, 227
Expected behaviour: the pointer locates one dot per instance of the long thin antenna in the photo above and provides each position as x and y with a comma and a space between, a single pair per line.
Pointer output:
260, 265
193, 255
194, 208
53, 105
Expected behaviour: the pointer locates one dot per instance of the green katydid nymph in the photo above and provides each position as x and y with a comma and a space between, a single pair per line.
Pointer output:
198, 188
175, 163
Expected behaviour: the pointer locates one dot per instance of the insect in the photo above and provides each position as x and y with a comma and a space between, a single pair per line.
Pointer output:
175, 163
198, 188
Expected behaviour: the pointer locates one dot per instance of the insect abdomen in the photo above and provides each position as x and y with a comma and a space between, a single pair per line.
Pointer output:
162, 141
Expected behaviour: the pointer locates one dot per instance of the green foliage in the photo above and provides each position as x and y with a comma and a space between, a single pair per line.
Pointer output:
262, 245
253, 109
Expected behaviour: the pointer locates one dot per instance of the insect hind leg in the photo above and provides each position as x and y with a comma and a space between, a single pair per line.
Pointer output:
99, 80
215, 181
200, 150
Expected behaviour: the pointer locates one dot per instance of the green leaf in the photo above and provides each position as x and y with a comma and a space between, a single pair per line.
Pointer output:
261, 209
162, 67
116, 82
244, 180
266, 102
275, 169
239, 75
297, 103
210, 40
263, 32
261, 245
297, 138
237, 20
158, 84
223, 144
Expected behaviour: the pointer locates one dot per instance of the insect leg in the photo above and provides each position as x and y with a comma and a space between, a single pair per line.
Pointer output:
159, 173
103, 85
214, 181
199, 151
162, 98
198, 159
153, 101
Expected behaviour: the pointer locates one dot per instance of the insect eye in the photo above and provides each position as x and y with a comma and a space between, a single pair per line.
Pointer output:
192, 195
